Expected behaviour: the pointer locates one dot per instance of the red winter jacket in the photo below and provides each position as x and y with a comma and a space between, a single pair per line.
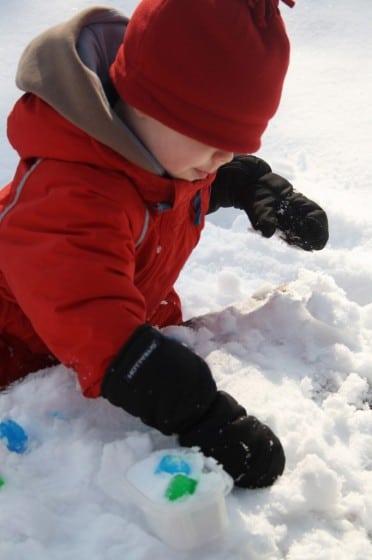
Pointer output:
92, 238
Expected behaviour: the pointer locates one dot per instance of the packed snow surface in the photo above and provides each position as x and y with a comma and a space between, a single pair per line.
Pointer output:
288, 333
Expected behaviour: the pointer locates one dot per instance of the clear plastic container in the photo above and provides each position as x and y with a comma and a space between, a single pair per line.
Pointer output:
185, 516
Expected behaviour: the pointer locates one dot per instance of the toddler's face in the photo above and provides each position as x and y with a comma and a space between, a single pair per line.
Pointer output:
181, 156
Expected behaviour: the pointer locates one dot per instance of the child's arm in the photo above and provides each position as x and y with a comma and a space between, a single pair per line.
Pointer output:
270, 202
68, 254
172, 389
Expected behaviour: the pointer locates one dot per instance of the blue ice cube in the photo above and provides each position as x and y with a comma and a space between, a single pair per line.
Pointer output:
14, 436
173, 464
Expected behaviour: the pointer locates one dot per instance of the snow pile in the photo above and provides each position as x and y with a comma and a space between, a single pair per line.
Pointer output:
296, 356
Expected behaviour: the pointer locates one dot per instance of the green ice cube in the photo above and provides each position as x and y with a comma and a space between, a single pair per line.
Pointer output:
180, 485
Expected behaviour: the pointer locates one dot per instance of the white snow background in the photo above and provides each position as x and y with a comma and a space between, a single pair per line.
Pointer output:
289, 335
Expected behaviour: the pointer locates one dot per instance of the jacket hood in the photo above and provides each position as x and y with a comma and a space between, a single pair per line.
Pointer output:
67, 67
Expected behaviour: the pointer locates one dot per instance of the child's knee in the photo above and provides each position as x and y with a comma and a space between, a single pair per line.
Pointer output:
16, 360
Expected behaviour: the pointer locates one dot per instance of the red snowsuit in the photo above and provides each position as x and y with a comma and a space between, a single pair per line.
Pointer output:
92, 237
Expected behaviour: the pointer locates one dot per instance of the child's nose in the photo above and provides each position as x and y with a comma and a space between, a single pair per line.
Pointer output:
221, 157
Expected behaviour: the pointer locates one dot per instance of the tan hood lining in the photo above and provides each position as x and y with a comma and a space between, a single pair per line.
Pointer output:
50, 67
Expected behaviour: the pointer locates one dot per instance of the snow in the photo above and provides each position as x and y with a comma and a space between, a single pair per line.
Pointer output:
288, 333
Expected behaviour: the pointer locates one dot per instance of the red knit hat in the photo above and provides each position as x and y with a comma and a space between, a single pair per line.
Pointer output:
210, 69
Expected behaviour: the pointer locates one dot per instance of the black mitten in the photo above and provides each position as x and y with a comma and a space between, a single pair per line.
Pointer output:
302, 222
172, 389
248, 449
161, 381
270, 202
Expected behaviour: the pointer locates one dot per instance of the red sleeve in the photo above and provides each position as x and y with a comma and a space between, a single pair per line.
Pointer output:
68, 254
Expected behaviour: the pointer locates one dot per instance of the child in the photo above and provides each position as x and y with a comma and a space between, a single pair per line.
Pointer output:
124, 146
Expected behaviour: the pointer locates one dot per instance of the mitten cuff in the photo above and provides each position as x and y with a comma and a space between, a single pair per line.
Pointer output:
160, 380
233, 181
